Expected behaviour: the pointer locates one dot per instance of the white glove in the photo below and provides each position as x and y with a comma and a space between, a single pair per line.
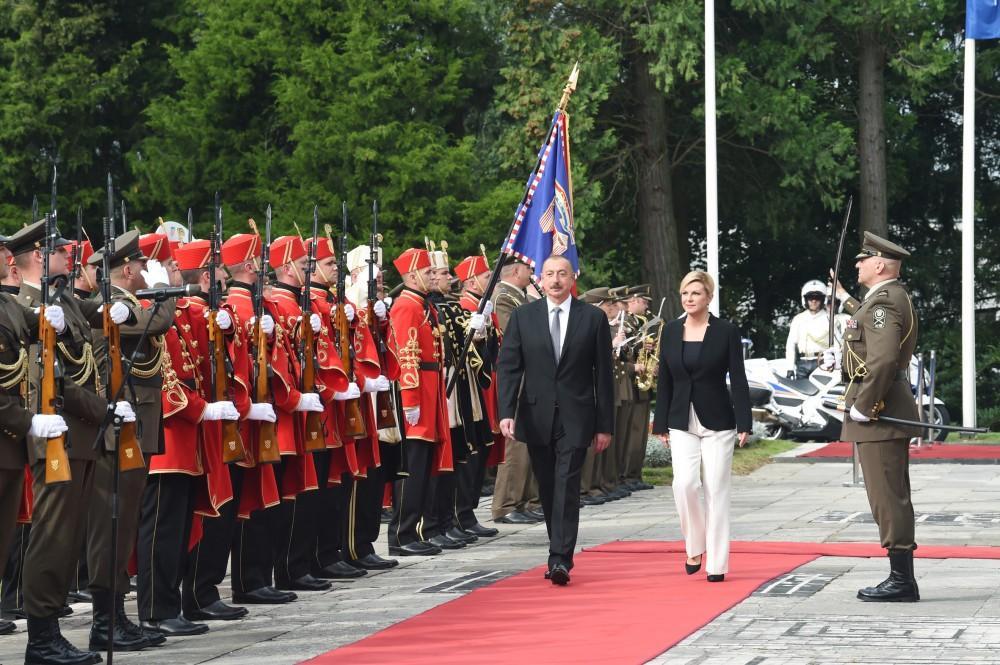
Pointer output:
412, 415
266, 322
379, 309
54, 315
309, 402
477, 322
488, 309
262, 411
124, 410
220, 411
349, 312
119, 313
388, 301
223, 319
379, 384
155, 274
831, 359
352, 392
47, 426
315, 322
857, 416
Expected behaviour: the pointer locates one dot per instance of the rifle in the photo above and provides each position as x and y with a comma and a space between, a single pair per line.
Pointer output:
222, 369
354, 423
129, 451
267, 436
836, 269
190, 236
384, 413
49, 400
307, 346
77, 265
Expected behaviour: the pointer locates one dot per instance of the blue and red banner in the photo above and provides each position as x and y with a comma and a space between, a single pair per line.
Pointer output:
982, 19
544, 222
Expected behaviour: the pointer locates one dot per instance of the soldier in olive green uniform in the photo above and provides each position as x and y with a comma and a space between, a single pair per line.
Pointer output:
17, 327
633, 453
515, 494
143, 389
60, 508
878, 342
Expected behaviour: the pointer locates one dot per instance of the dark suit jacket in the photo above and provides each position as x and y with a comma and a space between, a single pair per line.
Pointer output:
721, 353
581, 385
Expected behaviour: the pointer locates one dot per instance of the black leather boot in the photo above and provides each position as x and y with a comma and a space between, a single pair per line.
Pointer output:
47, 646
124, 639
153, 639
900, 586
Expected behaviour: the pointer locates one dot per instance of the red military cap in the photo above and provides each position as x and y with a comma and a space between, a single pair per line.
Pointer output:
412, 259
324, 248
240, 248
155, 246
193, 255
286, 249
470, 267
86, 251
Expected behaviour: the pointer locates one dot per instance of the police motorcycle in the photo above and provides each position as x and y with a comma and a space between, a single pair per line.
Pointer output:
793, 408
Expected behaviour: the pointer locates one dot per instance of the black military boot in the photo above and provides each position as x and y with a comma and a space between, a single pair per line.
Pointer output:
900, 586
47, 646
153, 639
124, 640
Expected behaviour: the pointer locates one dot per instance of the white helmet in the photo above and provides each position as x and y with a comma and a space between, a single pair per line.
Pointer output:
813, 286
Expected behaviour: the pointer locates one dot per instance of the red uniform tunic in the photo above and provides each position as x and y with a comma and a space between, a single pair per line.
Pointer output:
415, 340
300, 472
259, 489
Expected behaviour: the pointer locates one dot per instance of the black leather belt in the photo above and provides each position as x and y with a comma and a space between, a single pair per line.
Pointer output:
430, 367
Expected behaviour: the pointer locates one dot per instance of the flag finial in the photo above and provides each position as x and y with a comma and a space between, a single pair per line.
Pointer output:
570, 86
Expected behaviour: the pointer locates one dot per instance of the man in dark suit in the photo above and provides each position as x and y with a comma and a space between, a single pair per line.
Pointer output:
567, 400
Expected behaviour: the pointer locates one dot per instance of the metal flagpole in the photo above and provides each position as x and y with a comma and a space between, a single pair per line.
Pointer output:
968, 238
711, 166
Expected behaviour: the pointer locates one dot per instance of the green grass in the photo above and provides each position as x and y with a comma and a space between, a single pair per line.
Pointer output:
745, 460
974, 439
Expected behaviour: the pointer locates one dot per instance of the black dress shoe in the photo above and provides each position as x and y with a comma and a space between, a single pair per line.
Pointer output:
14, 613
80, 596
217, 611
305, 583
593, 500
481, 531
339, 570
642, 485
7, 627
418, 548
559, 575
535, 514
515, 517
176, 627
461, 536
374, 562
265, 595
445, 543
717, 578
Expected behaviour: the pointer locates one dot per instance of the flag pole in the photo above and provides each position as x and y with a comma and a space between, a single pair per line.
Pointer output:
968, 238
568, 90
711, 165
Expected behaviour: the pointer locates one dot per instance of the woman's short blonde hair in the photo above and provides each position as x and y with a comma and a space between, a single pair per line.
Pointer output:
699, 276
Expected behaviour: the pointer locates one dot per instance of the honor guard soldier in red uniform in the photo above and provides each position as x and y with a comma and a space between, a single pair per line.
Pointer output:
243, 525
484, 436
295, 533
415, 340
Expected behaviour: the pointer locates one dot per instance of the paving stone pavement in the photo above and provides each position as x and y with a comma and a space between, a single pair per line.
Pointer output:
958, 620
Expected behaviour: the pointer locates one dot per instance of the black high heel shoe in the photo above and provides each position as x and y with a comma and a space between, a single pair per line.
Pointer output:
717, 578
692, 568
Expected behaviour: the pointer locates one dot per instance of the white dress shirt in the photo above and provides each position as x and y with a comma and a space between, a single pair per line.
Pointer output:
563, 319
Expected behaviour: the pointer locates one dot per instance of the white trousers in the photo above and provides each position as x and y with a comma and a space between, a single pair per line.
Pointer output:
703, 453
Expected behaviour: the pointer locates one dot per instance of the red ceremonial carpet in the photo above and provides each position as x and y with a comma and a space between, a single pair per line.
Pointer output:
628, 602
947, 451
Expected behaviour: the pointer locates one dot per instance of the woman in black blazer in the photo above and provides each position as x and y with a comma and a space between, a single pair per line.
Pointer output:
698, 419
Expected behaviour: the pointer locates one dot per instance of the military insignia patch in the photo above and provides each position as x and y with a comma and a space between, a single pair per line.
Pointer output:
878, 317
852, 324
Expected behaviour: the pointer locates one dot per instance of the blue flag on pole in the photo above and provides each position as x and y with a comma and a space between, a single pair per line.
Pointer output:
544, 223
982, 19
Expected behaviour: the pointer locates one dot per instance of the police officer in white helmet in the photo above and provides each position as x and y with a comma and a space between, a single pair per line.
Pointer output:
809, 332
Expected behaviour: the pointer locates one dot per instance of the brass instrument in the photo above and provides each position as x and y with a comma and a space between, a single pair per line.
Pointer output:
648, 359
